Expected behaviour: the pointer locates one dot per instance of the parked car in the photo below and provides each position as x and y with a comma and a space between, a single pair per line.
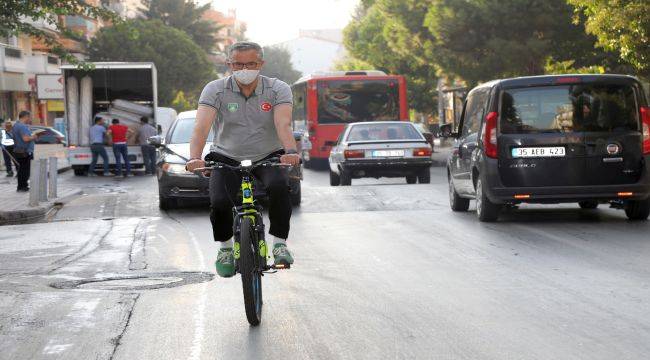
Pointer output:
428, 135
47, 135
175, 183
380, 149
553, 139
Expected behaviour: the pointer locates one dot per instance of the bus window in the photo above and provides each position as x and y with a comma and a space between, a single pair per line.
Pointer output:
299, 107
346, 101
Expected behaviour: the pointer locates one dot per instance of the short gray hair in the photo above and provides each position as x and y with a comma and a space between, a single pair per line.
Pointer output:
246, 45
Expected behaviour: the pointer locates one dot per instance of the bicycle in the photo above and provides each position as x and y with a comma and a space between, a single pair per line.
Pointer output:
250, 250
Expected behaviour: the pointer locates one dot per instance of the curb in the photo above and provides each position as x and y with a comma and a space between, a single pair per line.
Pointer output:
35, 214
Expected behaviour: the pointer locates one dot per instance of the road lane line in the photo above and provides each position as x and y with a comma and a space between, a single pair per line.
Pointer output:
199, 315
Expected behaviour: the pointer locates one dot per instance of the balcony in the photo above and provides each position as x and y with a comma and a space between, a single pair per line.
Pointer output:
42, 63
12, 59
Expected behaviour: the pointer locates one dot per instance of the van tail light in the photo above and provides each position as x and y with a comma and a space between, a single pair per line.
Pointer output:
426, 151
490, 135
645, 123
354, 154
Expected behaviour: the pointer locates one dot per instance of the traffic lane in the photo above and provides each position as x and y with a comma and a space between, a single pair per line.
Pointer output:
409, 284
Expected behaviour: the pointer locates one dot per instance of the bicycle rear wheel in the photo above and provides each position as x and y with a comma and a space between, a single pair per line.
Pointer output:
251, 276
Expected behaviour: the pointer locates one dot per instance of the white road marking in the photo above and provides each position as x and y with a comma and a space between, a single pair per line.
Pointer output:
199, 315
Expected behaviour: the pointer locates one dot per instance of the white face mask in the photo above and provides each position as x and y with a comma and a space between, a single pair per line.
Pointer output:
246, 76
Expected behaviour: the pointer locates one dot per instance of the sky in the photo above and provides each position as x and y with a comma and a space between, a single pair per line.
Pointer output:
271, 22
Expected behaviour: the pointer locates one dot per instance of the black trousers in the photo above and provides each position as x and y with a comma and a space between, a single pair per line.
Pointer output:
24, 167
225, 185
7, 153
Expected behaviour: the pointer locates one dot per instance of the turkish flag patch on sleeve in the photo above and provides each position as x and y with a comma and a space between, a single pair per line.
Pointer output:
266, 106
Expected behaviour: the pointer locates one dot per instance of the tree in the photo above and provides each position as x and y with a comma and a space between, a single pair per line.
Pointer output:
620, 26
186, 16
480, 40
372, 39
277, 64
14, 13
181, 64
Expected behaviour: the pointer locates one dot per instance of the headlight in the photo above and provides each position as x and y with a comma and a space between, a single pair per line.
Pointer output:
178, 169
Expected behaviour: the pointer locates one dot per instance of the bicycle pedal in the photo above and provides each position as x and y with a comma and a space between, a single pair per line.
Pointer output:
281, 266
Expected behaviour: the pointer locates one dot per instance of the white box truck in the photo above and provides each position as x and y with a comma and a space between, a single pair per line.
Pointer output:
111, 90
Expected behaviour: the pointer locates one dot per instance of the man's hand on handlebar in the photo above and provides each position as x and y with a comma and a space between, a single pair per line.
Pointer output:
194, 164
290, 159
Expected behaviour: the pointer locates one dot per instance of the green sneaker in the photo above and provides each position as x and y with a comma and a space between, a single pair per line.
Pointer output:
281, 255
225, 263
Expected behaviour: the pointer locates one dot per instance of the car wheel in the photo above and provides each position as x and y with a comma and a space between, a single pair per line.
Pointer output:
588, 204
335, 180
80, 171
411, 179
346, 178
637, 209
456, 202
296, 195
485, 209
165, 203
424, 177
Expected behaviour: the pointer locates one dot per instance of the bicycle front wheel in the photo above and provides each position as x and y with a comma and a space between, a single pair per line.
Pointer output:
251, 276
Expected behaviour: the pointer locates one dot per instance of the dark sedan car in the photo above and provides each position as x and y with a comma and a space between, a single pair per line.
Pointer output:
176, 184
380, 149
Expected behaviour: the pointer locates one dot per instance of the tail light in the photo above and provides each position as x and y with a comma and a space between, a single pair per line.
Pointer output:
645, 123
490, 135
426, 151
354, 154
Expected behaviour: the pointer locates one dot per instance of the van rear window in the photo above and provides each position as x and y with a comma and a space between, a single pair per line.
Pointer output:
569, 108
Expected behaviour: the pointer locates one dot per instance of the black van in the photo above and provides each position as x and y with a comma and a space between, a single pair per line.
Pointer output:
553, 139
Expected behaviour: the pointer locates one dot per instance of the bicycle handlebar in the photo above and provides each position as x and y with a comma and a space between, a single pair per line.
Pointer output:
211, 165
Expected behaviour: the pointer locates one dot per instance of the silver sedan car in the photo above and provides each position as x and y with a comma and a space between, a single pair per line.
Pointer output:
380, 149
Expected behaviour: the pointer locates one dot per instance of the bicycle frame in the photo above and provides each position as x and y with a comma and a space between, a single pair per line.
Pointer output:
252, 211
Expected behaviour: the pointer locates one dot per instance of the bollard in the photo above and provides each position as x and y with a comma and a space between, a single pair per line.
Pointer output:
33, 189
42, 180
53, 178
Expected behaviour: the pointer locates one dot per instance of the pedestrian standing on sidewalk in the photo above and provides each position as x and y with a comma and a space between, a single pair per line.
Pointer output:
119, 134
23, 148
7, 149
148, 151
96, 134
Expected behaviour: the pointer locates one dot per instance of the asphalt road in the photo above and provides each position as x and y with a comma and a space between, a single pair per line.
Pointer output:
383, 270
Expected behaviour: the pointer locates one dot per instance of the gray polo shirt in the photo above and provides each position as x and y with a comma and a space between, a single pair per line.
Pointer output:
244, 127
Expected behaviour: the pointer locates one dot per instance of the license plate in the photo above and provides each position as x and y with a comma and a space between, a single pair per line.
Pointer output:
387, 153
530, 152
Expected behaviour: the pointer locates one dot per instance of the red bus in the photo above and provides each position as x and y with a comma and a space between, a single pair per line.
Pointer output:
324, 103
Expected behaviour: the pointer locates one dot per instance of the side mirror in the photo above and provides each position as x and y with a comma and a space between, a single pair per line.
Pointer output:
156, 141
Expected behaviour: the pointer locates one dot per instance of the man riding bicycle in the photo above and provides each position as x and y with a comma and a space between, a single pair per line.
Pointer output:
251, 114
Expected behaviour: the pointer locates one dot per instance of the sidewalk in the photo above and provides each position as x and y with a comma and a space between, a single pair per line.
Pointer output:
14, 206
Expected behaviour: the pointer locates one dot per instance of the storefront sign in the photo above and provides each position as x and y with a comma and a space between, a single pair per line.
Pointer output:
55, 106
49, 87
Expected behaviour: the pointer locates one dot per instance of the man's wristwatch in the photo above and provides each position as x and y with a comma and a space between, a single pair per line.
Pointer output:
291, 151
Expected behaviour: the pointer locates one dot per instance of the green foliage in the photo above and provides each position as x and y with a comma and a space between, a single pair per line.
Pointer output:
386, 36
568, 67
184, 15
14, 12
479, 40
622, 26
182, 103
277, 64
181, 64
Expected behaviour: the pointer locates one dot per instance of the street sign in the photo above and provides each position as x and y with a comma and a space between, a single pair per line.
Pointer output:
49, 87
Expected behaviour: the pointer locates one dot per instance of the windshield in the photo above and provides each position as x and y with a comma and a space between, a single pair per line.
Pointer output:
379, 132
345, 101
182, 132
571, 108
